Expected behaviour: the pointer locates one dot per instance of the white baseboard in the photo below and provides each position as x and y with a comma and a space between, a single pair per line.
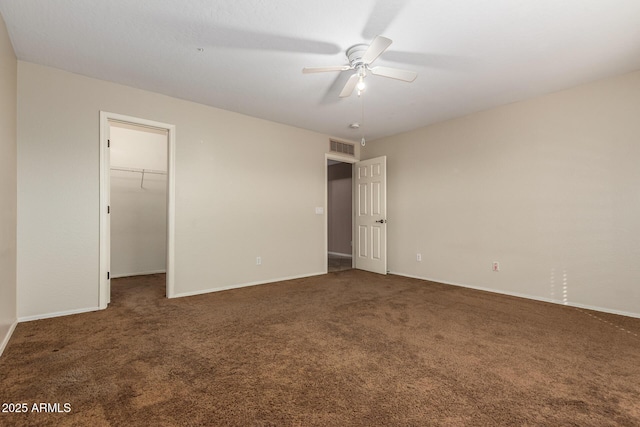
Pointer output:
519, 295
7, 337
57, 314
341, 254
143, 273
604, 310
244, 285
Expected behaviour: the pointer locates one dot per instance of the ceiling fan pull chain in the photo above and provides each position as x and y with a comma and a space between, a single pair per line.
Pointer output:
362, 142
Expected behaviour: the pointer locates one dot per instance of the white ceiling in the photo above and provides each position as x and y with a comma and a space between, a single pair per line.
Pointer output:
470, 55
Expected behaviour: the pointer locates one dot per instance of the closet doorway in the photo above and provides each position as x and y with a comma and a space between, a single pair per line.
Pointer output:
339, 215
136, 200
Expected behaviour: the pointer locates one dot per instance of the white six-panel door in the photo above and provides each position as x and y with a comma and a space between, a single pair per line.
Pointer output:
371, 215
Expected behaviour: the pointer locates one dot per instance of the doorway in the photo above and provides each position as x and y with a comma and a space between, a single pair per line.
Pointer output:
339, 215
137, 200
368, 213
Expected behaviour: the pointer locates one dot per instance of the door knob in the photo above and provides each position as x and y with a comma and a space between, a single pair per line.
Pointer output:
382, 221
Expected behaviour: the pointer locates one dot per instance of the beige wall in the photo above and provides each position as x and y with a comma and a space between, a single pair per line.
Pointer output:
8, 176
549, 187
235, 196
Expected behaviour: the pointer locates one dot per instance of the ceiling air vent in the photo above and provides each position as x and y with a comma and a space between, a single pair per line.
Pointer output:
341, 147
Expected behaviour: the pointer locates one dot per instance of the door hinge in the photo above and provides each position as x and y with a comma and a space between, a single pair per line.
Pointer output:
108, 275
108, 143
108, 209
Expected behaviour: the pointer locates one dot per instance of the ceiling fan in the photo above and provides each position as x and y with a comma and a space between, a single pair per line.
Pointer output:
360, 58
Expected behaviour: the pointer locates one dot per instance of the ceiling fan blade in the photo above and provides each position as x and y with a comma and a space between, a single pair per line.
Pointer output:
384, 12
377, 46
307, 70
394, 73
349, 86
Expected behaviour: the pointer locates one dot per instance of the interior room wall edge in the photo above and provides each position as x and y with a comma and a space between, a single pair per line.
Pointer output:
6, 331
521, 295
244, 285
8, 186
56, 314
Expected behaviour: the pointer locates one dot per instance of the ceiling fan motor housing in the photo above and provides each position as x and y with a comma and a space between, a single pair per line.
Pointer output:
355, 54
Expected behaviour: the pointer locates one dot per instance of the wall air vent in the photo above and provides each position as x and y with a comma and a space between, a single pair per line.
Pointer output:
341, 147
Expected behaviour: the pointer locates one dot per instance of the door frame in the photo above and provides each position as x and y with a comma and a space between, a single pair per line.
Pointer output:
343, 159
104, 294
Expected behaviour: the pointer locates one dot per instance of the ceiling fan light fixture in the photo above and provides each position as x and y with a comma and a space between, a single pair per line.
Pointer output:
360, 57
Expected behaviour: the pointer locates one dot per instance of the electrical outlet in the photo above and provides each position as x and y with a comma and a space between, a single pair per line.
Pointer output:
419, 257
495, 266
258, 260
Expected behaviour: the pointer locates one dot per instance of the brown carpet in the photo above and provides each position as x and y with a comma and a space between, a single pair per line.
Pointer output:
344, 349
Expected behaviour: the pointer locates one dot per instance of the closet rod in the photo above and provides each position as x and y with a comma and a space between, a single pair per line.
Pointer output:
139, 170
142, 171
